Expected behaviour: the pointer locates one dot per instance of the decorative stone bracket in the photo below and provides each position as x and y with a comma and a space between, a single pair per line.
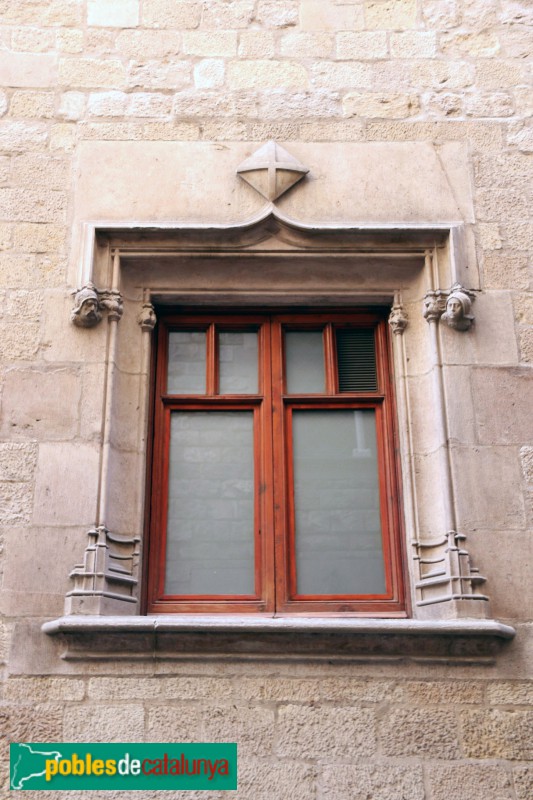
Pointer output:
90, 303
452, 307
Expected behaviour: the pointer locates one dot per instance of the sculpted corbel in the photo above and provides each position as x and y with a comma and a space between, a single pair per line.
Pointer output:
453, 307
89, 304
398, 319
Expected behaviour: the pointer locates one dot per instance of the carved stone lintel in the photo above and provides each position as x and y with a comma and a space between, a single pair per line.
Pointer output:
147, 318
452, 307
446, 575
398, 319
107, 580
90, 302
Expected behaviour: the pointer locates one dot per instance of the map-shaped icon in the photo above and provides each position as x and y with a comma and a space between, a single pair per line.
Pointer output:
28, 762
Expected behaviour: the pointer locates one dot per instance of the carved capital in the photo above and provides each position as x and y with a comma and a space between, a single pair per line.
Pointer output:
458, 307
398, 319
147, 318
90, 303
434, 305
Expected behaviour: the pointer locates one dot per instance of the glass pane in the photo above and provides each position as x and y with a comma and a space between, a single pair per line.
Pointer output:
210, 530
336, 491
304, 362
237, 354
186, 362
356, 360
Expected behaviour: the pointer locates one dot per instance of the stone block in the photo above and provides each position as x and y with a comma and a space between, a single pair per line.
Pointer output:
420, 732
44, 690
443, 104
107, 104
495, 502
431, 693
22, 136
69, 40
72, 105
44, 171
332, 75
413, 44
40, 405
495, 104
151, 44
379, 781
32, 40
6, 238
503, 399
113, 13
219, 104
526, 346
209, 73
469, 782
493, 311
377, 104
488, 235
257, 44
518, 235
277, 13
66, 484
281, 689
510, 693
143, 104
429, 74
167, 722
24, 304
251, 726
327, 15
91, 73
16, 505
169, 14
505, 271
498, 74
306, 732
355, 45
32, 104
523, 304
210, 43
390, 14
276, 105
522, 139
17, 461
63, 137
498, 733
306, 45
332, 131
19, 342
202, 687
158, 75
526, 458
119, 689
16, 270
354, 691
523, 782
106, 723
440, 14
231, 131
479, 44
257, 779
30, 722
250, 74
510, 169
33, 70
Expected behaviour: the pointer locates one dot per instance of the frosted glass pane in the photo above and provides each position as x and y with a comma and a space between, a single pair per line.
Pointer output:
304, 362
210, 530
237, 353
186, 362
338, 528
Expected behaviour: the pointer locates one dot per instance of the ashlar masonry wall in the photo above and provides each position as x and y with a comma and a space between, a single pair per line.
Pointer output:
91, 90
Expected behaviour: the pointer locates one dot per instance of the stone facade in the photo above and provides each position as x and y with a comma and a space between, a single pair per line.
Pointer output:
122, 126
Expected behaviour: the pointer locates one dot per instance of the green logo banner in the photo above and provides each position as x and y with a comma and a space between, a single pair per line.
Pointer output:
125, 766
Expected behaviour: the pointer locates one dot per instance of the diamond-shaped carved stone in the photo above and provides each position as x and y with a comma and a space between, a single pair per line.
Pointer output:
271, 170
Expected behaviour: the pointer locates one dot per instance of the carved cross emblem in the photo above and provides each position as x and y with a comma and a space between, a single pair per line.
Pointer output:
271, 170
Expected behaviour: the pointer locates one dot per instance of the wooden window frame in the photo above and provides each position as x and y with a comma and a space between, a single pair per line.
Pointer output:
274, 502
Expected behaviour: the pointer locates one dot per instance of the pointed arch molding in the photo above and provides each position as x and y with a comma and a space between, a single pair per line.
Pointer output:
272, 259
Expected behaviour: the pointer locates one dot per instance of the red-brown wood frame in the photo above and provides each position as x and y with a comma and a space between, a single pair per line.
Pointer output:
275, 565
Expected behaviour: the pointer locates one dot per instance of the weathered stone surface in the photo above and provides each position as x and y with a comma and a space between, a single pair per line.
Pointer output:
469, 782
36, 403
417, 732
17, 461
523, 782
44, 171
248, 74
497, 733
380, 781
320, 732
502, 400
209, 73
33, 40
361, 45
506, 271
66, 470
91, 72
32, 104
16, 505
30, 722
376, 104
413, 44
277, 13
22, 136
390, 14
327, 15
257, 44
104, 723
44, 690
510, 693
261, 780
148, 43
168, 14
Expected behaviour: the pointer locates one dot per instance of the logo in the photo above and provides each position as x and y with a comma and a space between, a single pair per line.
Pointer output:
126, 766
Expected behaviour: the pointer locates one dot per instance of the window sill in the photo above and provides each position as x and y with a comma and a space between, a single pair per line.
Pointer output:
185, 636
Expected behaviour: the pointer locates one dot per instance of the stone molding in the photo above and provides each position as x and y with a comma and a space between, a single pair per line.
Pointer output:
443, 581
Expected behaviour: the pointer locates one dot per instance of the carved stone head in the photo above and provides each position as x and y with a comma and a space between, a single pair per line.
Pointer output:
86, 312
458, 307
